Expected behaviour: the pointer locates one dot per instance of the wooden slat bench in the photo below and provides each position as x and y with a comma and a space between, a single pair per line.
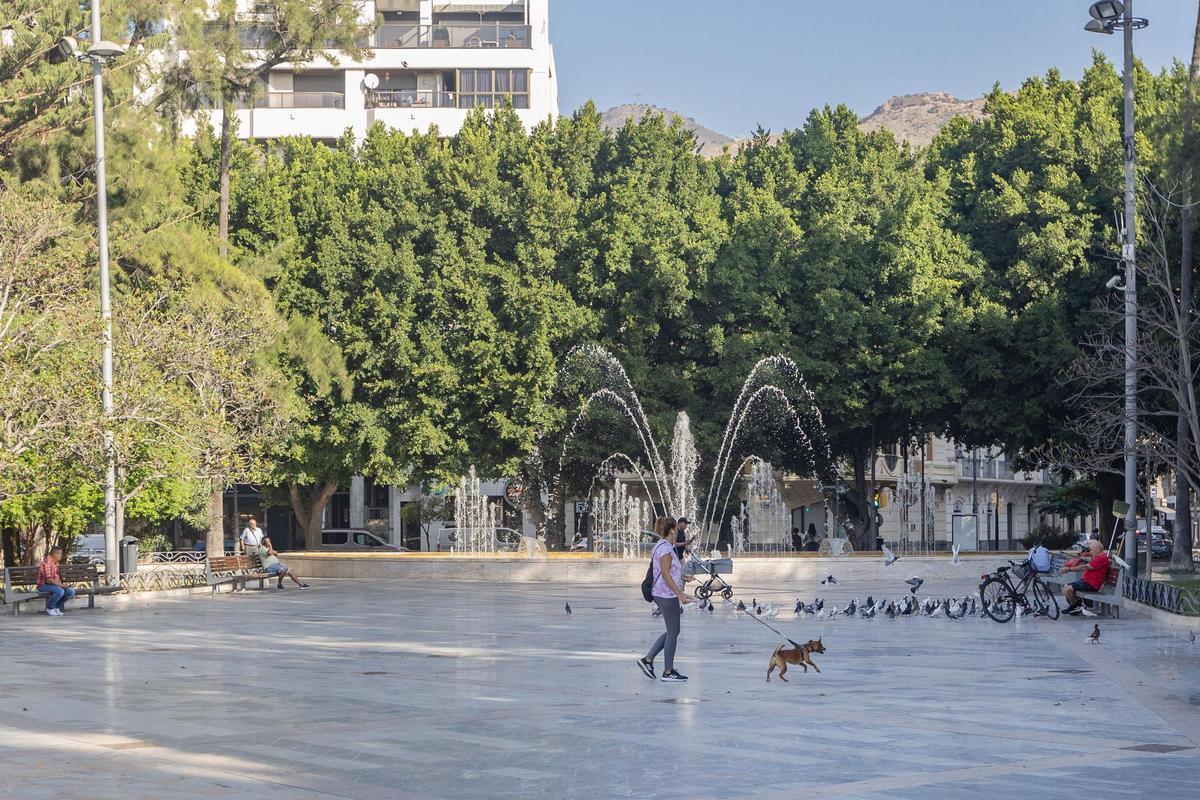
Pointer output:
20, 584
236, 571
1109, 597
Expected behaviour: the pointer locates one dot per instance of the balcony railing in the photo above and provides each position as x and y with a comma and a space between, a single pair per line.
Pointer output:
410, 98
301, 100
397, 35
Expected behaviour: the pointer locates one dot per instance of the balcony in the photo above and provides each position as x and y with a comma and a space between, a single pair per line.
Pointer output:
410, 98
300, 100
461, 35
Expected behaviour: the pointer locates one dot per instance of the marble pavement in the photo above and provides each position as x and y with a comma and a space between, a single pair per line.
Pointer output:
479, 690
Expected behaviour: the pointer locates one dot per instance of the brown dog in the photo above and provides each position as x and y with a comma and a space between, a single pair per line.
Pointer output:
794, 655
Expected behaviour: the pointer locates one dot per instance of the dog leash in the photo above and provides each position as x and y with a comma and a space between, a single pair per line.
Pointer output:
762, 622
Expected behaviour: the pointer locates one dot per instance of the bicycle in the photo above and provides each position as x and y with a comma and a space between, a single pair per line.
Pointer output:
1001, 598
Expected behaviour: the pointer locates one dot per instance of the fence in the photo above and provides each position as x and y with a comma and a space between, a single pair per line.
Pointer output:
1176, 599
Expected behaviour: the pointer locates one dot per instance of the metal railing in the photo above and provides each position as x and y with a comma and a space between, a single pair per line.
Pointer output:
398, 35
410, 98
1176, 599
301, 100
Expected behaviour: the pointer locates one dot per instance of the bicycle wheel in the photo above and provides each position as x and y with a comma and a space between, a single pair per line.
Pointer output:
997, 599
1044, 598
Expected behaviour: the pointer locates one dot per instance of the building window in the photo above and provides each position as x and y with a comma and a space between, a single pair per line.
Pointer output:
491, 88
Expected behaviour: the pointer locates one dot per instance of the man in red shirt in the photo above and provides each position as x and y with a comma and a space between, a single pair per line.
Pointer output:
1095, 573
49, 584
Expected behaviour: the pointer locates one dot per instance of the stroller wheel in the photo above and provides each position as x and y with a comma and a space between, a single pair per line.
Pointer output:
727, 592
703, 591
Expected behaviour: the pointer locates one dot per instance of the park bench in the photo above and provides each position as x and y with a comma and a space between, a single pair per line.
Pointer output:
1109, 597
20, 584
236, 571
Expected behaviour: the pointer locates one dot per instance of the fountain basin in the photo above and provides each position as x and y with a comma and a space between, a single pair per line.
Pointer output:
806, 569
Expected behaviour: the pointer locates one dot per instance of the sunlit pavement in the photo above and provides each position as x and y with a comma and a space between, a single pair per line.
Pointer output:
475, 690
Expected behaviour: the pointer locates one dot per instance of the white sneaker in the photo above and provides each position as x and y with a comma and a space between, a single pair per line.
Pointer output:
54, 612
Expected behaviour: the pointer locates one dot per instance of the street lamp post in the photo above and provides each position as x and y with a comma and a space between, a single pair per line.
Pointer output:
98, 53
1107, 16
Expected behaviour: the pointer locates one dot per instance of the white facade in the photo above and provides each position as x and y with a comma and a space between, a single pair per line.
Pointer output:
433, 61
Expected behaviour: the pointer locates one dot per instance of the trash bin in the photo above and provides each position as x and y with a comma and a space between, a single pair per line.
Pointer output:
129, 555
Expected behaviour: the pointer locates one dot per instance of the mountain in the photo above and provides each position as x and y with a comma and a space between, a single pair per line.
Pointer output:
711, 143
918, 117
915, 117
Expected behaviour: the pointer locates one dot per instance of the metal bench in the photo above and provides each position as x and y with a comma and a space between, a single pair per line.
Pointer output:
20, 584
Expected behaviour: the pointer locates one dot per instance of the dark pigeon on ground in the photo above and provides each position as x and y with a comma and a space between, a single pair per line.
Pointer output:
568, 608
829, 579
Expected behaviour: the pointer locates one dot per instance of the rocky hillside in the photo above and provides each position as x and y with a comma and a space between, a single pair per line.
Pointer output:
914, 117
710, 142
918, 117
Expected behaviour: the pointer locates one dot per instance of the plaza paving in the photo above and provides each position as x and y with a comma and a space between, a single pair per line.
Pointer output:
475, 690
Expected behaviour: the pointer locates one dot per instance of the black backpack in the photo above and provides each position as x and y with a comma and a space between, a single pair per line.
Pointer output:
648, 583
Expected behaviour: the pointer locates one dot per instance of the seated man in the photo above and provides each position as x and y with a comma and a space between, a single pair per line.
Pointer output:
1095, 573
272, 566
49, 584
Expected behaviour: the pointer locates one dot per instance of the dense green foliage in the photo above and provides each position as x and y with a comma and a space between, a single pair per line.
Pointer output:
403, 306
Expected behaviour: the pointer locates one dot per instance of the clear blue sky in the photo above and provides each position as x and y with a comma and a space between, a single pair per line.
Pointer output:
738, 63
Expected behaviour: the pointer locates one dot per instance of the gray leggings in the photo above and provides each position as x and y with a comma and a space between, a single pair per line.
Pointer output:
671, 612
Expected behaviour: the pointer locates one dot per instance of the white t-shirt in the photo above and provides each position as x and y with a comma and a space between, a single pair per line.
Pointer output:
252, 537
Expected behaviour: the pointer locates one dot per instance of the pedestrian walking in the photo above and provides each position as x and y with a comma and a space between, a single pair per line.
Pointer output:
669, 597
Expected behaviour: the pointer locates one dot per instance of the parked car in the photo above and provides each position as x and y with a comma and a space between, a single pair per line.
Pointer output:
356, 539
87, 549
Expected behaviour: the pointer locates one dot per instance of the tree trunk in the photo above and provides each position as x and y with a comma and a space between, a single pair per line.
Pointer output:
1110, 487
216, 518
228, 119
1183, 535
310, 510
9, 539
859, 498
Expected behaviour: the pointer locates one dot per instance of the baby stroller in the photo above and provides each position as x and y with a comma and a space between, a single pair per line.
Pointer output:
714, 569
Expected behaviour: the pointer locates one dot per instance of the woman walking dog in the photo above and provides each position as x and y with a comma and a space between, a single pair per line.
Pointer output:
669, 596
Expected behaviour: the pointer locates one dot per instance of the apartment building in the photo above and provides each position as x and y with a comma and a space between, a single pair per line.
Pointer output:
433, 62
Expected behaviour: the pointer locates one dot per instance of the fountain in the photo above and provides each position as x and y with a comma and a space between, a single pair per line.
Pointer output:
619, 521
774, 390
474, 517
770, 519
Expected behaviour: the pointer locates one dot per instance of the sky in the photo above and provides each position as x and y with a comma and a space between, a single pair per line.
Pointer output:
736, 64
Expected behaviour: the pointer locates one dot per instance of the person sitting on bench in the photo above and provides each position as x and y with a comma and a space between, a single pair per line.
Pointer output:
272, 566
1095, 573
49, 584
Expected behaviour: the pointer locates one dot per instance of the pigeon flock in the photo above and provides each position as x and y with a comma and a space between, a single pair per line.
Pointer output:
858, 608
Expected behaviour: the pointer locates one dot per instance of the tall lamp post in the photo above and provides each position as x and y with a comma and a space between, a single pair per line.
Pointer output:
1108, 16
98, 54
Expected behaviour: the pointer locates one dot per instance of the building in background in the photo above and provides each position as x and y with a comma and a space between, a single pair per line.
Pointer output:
433, 62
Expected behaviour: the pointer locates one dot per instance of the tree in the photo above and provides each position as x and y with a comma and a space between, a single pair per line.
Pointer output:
47, 411
228, 54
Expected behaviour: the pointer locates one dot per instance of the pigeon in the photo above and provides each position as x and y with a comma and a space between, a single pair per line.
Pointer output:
954, 550
870, 600
889, 557
656, 611
914, 583
1094, 638
833, 612
819, 603
829, 579
799, 606
1087, 612
1192, 637
741, 606
850, 609
936, 611
710, 607
890, 611
758, 610
568, 608
754, 601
